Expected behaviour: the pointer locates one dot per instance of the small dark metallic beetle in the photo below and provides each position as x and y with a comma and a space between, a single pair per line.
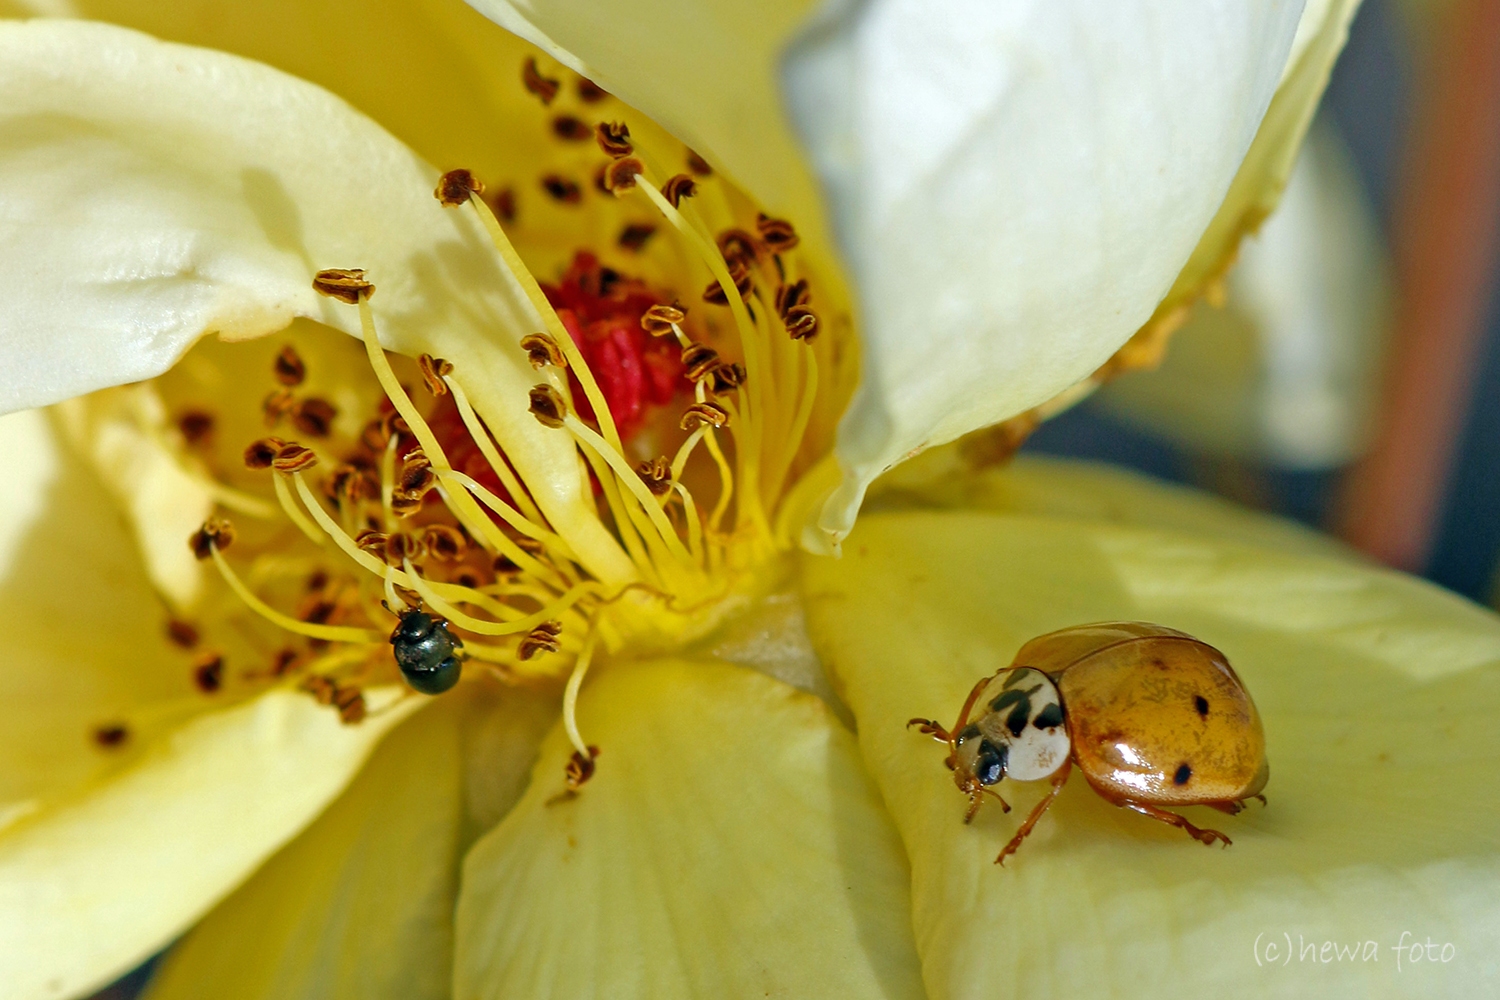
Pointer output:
427, 652
1152, 717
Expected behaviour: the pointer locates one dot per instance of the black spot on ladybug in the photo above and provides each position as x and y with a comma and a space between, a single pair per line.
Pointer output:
1012, 697
968, 732
1184, 772
989, 766
1013, 679
1016, 720
1049, 718
1201, 704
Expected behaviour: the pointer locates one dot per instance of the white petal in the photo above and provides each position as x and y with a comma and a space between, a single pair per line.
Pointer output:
154, 192
1015, 187
729, 845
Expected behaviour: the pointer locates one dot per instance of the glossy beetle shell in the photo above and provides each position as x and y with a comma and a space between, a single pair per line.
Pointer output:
1155, 715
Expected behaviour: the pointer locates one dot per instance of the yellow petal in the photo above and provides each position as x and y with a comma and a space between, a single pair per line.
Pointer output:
1088, 491
1378, 694
360, 905
729, 845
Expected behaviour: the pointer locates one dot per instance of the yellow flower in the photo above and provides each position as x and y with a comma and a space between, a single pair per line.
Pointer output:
1016, 195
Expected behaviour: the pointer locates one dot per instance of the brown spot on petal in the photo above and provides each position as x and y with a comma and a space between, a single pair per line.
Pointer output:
590, 92
182, 633
111, 735
698, 164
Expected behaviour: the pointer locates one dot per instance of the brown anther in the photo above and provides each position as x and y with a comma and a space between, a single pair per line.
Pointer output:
111, 735
698, 164
316, 580
658, 320
317, 610
262, 453
416, 477
590, 92
791, 296
216, 533
347, 284
534, 546
542, 86
456, 187
351, 484
739, 274
778, 233
372, 541
541, 350
562, 189
468, 577
548, 406
208, 673
350, 702
579, 768
570, 129
634, 236
542, 639
283, 661
657, 475
698, 359
314, 416
726, 377
294, 458
444, 543
288, 367
704, 414
801, 323
614, 138
433, 370
504, 565
197, 427
504, 204
182, 633
276, 405
678, 187
738, 245
402, 546
403, 505
621, 174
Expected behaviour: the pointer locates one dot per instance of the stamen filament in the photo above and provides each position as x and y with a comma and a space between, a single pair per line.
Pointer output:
284, 495
570, 693
313, 630
554, 325
694, 522
631, 482
481, 436
429, 594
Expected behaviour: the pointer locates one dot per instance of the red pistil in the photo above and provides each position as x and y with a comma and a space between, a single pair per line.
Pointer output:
601, 310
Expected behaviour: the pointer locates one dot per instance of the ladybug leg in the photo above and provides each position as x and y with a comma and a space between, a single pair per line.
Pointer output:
930, 728
1202, 836
1231, 806
1058, 780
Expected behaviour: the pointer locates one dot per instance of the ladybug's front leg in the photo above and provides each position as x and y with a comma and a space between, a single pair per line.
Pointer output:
1202, 836
930, 728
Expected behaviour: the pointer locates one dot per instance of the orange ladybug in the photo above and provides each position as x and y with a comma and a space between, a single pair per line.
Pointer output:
1152, 717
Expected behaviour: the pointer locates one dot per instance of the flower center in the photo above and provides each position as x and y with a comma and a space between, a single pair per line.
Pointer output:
692, 431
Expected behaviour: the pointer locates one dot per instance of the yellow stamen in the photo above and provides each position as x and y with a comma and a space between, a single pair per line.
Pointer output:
332, 633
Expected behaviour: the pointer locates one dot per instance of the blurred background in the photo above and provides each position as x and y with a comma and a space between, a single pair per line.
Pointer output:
1348, 375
